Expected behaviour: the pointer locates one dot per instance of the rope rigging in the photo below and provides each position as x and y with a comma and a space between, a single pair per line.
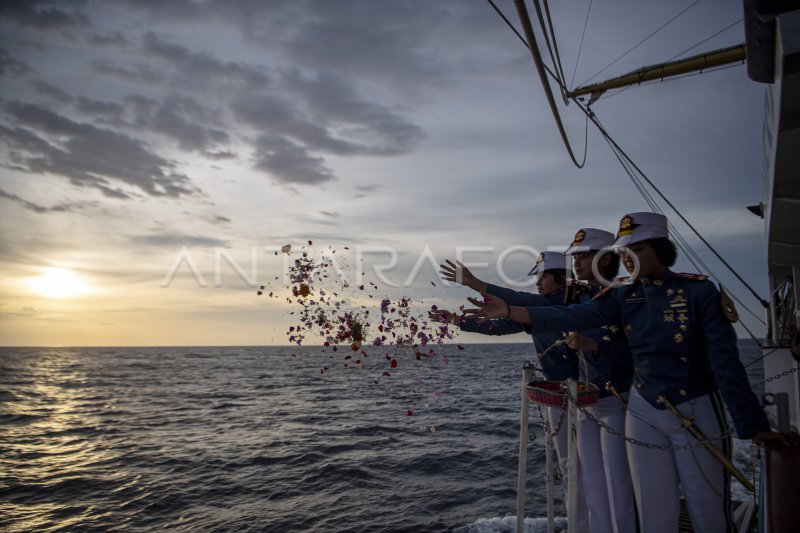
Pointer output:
527, 29
637, 45
629, 165
580, 48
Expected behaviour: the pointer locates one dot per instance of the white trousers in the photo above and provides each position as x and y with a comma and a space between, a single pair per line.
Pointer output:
656, 473
561, 444
604, 468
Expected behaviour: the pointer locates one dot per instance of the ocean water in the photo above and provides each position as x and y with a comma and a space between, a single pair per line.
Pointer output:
262, 439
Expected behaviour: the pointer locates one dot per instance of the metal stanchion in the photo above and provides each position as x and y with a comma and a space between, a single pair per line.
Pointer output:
572, 453
522, 470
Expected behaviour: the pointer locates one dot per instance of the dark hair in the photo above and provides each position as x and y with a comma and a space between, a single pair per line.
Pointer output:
665, 250
559, 274
611, 270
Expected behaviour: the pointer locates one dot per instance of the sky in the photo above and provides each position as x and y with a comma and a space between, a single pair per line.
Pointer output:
155, 155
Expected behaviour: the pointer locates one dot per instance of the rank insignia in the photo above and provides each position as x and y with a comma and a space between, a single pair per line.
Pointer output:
678, 338
625, 226
606, 338
579, 237
670, 292
682, 317
669, 316
658, 283
683, 327
613, 328
678, 301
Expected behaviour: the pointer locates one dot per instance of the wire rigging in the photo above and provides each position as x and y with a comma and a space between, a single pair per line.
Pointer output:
527, 29
629, 164
551, 36
723, 30
637, 45
580, 48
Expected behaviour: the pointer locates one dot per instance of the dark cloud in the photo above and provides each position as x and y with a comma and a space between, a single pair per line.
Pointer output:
272, 113
50, 91
330, 214
371, 128
174, 238
181, 118
87, 155
36, 208
140, 73
313, 120
289, 163
44, 15
97, 107
201, 66
10, 66
110, 39
362, 191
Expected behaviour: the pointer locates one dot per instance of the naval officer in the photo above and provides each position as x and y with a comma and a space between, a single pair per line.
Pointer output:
557, 361
607, 363
684, 354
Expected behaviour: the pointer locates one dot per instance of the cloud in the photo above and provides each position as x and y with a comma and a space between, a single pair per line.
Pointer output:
181, 118
174, 238
289, 162
87, 155
110, 39
201, 65
372, 129
141, 73
97, 107
325, 115
10, 67
50, 91
43, 15
58, 208
362, 191
330, 214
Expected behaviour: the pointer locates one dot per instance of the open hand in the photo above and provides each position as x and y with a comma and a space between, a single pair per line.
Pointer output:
774, 437
445, 317
458, 273
488, 308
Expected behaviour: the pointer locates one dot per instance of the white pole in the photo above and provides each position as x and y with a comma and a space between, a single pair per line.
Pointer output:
522, 467
572, 454
548, 476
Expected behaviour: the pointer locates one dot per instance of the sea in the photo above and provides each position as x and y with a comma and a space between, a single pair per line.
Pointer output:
273, 439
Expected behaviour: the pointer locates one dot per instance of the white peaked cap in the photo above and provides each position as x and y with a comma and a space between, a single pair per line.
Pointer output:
638, 227
548, 261
590, 240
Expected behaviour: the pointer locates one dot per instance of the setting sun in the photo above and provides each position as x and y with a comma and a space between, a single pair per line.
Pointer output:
58, 283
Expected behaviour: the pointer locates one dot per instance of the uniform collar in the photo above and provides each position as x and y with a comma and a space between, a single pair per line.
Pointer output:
663, 279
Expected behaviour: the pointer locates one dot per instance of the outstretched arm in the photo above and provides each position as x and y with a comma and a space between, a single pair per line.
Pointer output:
458, 273
556, 318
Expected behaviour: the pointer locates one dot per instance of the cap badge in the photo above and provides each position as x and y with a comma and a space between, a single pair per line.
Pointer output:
626, 226
579, 237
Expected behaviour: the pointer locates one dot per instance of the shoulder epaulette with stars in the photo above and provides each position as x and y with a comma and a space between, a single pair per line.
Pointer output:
573, 289
602, 293
691, 277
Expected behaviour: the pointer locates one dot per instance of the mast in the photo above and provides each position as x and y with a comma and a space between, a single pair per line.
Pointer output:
723, 56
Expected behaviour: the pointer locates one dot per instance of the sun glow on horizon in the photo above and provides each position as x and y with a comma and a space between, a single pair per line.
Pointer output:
58, 283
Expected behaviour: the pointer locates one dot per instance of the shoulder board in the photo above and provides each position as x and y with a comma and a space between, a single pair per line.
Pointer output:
602, 293
728, 309
570, 292
691, 277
